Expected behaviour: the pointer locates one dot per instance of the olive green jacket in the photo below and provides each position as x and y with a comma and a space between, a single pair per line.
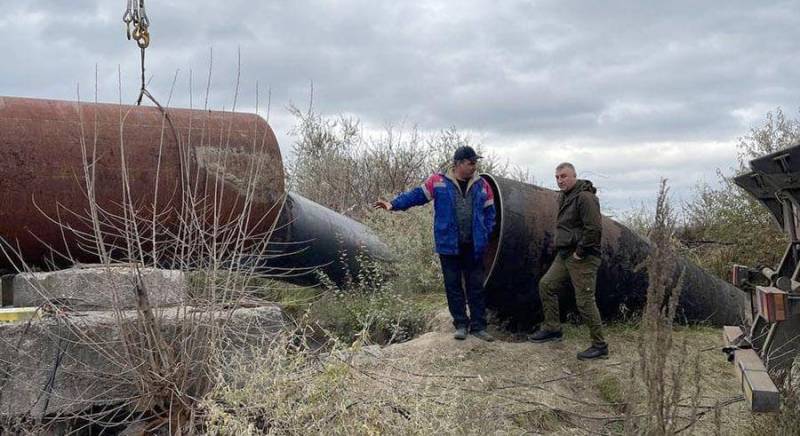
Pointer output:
580, 224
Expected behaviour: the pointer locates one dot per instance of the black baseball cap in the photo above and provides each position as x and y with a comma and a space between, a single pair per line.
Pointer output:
465, 152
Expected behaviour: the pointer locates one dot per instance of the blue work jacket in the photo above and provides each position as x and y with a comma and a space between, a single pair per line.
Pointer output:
443, 188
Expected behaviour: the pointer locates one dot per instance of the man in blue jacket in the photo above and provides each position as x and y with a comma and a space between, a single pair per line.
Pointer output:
464, 217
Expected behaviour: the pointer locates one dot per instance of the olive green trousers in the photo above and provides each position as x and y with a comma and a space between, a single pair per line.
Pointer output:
583, 276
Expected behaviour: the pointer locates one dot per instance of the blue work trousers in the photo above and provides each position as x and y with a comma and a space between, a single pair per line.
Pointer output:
463, 283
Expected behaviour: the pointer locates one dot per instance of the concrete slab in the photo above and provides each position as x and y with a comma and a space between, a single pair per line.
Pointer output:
94, 288
66, 364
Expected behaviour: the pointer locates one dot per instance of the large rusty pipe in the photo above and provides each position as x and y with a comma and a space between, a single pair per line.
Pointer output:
48, 147
223, 158
523, 248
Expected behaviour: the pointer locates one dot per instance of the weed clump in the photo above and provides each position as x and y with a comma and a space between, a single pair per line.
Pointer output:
663, 387
370, 305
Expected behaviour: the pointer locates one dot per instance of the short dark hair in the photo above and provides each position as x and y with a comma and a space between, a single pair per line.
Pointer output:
563, 165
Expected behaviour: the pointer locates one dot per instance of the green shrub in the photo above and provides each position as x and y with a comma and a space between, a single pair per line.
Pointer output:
409, 234
336, 164
726, 225
611, 389
370, 304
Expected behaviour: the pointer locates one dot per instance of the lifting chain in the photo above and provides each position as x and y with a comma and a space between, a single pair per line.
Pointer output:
137, 27
137, 23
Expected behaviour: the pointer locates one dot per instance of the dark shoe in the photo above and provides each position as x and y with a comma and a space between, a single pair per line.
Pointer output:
483, 335
460, 334
545, 336
594, 352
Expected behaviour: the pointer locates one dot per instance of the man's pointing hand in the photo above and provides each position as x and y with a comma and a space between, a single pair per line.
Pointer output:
382, 204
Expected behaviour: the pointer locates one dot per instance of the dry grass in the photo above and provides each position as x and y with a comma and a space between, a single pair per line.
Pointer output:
664, 388
436, 385
185, 382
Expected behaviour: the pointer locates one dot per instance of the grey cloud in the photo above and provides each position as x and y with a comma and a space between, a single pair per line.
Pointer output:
602, 76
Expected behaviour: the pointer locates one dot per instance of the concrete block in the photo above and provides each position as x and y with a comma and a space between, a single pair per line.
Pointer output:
96, 288
67, 364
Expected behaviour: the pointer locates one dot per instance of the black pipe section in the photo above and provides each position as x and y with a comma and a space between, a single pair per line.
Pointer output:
311, 240
522, 249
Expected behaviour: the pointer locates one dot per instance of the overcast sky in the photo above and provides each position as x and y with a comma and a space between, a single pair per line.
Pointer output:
629, 92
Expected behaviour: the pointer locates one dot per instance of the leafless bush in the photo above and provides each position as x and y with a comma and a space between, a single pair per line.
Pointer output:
153, 365
335, 163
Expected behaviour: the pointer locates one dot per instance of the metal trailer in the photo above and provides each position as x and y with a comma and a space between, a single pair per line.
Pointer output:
764, 348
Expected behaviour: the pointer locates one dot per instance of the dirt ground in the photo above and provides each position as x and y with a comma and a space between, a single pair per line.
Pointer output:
511, 386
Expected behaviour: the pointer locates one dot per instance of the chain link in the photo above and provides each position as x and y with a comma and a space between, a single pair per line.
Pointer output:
137, 23
137, 28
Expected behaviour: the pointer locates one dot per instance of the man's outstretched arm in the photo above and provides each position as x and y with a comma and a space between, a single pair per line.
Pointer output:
413, 197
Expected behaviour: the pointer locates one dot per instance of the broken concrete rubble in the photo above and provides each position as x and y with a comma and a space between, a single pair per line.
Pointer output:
65, 364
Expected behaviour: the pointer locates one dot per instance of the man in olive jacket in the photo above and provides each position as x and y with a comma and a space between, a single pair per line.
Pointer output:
578, 235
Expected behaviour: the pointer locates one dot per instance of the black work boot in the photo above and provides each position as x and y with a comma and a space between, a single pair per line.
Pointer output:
545, 336
460, 334
596, 351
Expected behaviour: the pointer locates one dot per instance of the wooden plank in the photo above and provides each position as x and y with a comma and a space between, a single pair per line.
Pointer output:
760, 392
780, 307
731, 335
772, 303
15, 314
746, 360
